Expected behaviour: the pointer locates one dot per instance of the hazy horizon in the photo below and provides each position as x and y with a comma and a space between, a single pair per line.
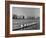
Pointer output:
26, 11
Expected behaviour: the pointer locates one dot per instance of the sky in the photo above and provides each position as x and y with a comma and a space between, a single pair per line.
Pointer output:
26, 11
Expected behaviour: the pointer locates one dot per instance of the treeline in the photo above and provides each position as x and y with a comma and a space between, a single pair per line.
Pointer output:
23, 17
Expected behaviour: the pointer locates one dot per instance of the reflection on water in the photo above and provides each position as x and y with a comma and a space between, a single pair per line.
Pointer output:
26, 24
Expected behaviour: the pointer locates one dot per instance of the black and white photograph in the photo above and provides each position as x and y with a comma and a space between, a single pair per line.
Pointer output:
25, 18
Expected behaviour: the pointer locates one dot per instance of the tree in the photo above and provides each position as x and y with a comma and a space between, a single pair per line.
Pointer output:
14, 16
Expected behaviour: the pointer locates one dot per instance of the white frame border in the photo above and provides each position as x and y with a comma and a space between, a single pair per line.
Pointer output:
25, 31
